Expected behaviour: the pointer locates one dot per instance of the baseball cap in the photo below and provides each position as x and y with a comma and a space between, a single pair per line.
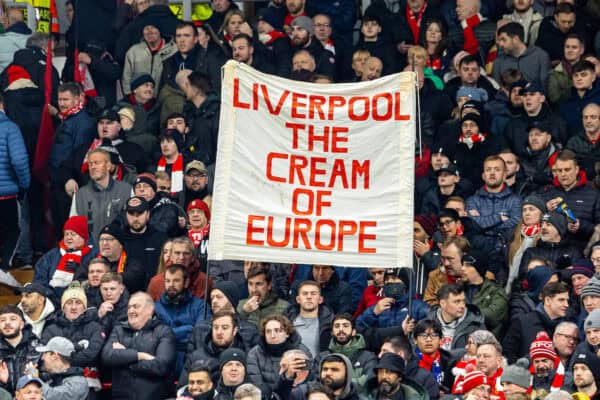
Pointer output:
533, 87
137, 204
57, 344
26, 380
197, 165
34, 287
110, 115
450, 168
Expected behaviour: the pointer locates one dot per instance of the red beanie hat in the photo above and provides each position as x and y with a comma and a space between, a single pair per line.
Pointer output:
542, 347
15, 72
79, 225
199, 205
472, 380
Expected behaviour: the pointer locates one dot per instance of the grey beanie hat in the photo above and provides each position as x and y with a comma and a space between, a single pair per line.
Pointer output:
518, 373
593, 320
535, 201
592, 288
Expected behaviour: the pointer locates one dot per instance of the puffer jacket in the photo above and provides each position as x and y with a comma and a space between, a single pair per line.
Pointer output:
492, 301
118, 315
490, 205
584, 202
180, 316
263, 361
139, 59
325, 317
76, 130
203, 348
14, 163
85, 332
549, 251
535, 167
588, 154
559, 84
151, 379
394, 315
16, 358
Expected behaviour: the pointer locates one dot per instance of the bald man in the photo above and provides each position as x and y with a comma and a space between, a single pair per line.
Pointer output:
148, 361
372, 69
583, 143
14, 37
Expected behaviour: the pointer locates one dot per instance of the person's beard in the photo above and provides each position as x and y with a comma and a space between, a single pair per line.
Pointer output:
387, 388
12, 335
343, 340
334, 384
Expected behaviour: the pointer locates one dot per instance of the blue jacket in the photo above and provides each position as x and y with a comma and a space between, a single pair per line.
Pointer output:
394, 315
14, 164
490, 205
356, 277
180, 317
46, 266
76, 130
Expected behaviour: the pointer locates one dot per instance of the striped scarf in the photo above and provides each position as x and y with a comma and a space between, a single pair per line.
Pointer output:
63, 275
176, 172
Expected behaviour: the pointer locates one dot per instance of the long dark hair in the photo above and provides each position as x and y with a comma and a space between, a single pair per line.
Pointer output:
443, 44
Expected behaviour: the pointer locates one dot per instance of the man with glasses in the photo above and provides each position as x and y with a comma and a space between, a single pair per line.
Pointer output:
565, 340
303, 37
195, 182
431, 357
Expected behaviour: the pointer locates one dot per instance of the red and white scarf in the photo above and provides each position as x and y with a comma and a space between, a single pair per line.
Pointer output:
63, 276
196, 236
471, 44
414, 21
176, 172
270, 37
71, 111
84, 77
471, 140
530, 231
330, 46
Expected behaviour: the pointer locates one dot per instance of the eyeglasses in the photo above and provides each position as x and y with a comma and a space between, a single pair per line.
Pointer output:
322, 25
446, 223
569, 337
428, 335
595, 260
105, 239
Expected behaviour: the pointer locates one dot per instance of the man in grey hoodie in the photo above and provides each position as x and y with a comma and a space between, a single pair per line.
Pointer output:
532, 61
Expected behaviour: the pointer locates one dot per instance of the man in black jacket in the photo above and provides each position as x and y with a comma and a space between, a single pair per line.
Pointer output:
302, 37
586, 143
401, 346
139, 239
202, 113
17, 345
524, 328
141, 353
78, 324
203, 345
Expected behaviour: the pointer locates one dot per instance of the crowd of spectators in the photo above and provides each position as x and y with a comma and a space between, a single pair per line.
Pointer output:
502, 301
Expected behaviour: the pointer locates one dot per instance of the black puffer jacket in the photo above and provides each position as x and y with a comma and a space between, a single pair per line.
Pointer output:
16, 358
552, 252
148, 379
263, 361
118, 315
588, 153
85, 332
22, 106
201, 347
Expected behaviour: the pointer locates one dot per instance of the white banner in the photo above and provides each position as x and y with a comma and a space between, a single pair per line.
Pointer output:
314, 173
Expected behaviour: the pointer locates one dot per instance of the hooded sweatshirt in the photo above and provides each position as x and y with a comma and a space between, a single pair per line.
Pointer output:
37, 326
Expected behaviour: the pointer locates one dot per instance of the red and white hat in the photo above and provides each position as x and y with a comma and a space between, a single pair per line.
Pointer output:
542, 347
472, 380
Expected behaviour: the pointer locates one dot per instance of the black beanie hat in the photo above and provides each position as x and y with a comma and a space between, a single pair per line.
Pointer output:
232, 354
230, 290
